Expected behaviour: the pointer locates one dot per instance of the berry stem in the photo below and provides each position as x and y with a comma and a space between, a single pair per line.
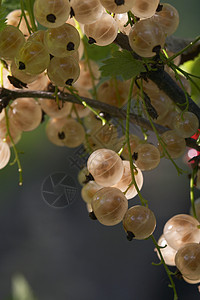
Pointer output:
29, 7
169, 273
184, 49
24, 15
143, 201
194, 171
15, 149
1, 73
81, 122
94, 91
87, 105
186, 74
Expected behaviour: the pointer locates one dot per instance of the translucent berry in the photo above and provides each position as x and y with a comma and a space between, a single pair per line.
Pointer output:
63, 71
148, 156
144, 8
89, 190
146, 37
102, 32
117, 6
86, 11
62, 41
105, 166
126, 180
109, 206
54, 131
14, 131
167, 252
51, 13
187, 260
22, 75
113, 92
25, 113
11, 40
174, 144
54, 109
32, 58
73, 133
180, 230
167, 18
4, 154
139, 222
186, 124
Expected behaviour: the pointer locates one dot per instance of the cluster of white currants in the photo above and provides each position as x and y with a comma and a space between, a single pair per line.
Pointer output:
107, 196
27, 57
44, 49
180, 246
145, 37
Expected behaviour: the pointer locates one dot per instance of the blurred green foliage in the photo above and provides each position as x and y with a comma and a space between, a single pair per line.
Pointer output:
193, 67
10, 5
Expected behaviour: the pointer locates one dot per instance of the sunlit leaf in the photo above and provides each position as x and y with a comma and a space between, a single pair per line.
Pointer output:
122, 63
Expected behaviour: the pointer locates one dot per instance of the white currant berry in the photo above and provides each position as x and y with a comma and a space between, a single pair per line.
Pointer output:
139, 222
180, 230
105, 166
109, 206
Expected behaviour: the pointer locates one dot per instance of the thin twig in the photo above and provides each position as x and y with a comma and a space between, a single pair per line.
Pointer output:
8, 95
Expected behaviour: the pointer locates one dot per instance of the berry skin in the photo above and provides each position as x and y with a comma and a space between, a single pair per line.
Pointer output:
167, 18
11, 40
117, 6
25, 113
168, 252
186, 124
145, 36
103, 32
4, 154
148, 157
187, 260
144, 8
33, 58
62, 41
109, 206
51, 13
139, 222
126, 179
180, 230
174, 144
105, 166
86, 11
63, 71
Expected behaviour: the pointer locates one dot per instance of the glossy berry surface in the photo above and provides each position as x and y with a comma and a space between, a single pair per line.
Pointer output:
109, 206
139, 221
105, 166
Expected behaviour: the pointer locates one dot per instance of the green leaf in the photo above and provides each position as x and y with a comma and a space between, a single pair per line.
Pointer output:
10, 5
122, 63
193, 67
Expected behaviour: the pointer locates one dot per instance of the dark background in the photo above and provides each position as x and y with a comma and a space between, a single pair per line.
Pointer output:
65, 255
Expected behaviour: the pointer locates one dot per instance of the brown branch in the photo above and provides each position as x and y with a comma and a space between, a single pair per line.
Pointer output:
164, 81
173, 44
8, 95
